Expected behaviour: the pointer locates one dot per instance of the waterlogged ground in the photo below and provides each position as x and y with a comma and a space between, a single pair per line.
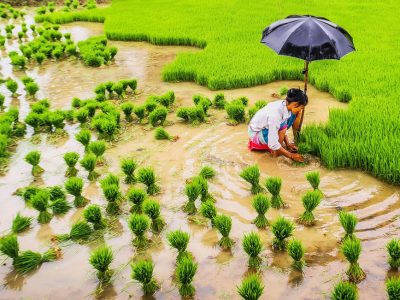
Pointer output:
216, 144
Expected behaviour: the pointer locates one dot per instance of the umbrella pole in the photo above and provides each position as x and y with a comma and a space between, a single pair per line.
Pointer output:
305, 71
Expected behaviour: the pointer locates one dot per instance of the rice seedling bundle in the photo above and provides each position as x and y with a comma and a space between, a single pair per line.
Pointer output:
128, 166
9, 246
71, 158
20, 223
109, 179
118, 88
89, 163
252, 246
207, 172
97, 148
209, 211
152, 208
74, 186
158, 116
60, 206
192, 191
112, 194
93, 215
83, 137
203, 186
393, 249
351, 249
194, 115
28, 261
161, 134
80, 230
148, 178
282, 229
348, 222
94, 52
100, 259
179, 240
261, 204
344, 291
140, 112
224, 224
142, 272
251, 288
33, 158
136, 197
127, 108
40, 202
296, 251
252, 175
393, 288
274, 185
219, 101
18, 60
139, 224
185, 272
236, 112
166, 100
313, 179
310, 201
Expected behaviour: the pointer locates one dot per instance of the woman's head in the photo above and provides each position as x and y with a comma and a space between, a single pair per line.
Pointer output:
296, 100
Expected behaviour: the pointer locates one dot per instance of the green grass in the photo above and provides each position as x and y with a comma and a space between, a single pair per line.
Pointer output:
232, 34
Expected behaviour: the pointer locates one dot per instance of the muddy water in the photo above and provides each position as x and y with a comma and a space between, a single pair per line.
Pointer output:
216, 144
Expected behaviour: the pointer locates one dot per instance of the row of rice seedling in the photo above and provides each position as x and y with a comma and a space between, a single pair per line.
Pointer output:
8, 12
107, 89
195, 114
95, 52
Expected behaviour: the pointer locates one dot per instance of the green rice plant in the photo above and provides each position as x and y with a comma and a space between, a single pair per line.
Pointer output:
71, 158
252, 246
282, 229
136, 197
82, 115
80, 230
140, 112
74, 186
127, 108
283, 90
251, 288
393, 288
252, 175
60, 206
20, 223
209, 211
348, 222
179, 240
310, 201
33, 158
97, 148
313, 179
351, 249
224, 224
118, 88
139, 224
393, 249
296, 251
32, 88
19, 60
142, 272
148, 178
40, 202
94, 52
100, 259
219, 101
89, 163
158, 116
236, 113
261, 204
40, 57
207, 172
93, 215
161, 134
112, 194
128, 166
344, 291
202, 102
110, 179
274, 185
150, 104
152, 209
9, 246
100, 89
192, 191
185, 272
28, 261
83, 137
2, 98
203, 186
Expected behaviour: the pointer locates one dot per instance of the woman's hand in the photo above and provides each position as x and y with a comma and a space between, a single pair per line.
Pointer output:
297, 157
292, 148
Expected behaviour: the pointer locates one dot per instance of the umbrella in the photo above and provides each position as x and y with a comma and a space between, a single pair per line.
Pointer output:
309, 38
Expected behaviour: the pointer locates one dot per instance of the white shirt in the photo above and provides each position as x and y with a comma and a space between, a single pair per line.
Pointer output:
271, 117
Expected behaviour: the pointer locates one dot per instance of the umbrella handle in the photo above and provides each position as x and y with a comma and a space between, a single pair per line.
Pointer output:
298, 129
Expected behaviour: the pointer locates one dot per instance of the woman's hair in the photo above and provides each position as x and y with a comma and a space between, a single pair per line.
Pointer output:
297, 95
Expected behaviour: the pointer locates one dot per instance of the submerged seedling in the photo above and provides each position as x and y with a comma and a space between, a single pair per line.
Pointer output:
40, 202
252, 175
393, 249
261, 205
185, 272
202, 183
251, 288
83, 137
310, 201
313, 179
348, 222
274, 185
139, 224
89, 163
179, 240
136, 197
142, 272
252, 246
74, 186
207, 172
296, 251
344, 291
112, 194
147, 177
100, 259
209, 211
21, 223
351, 249
97, 148
152, 208
128, 166
71, 158
192, 191
81, 230
282, 229
92, 214
33, 158
224, 224
393, 288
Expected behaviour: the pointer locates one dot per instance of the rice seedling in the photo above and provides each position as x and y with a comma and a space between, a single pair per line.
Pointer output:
283, 90
282, 229
89, 163
296, 251
209, 211
12, 86
118, 88
142, 272
80, 230
97, 148
148, 178
348, 222
158, 116
344, 291
179, 240
207, 172
110, 179
93, 215
261, 204
185, 272
140, 112
139, 224
19, 60
100, 259
161, 134
310, 201
40, 202
9, 246
83, 137
33, 158
252, 246
192, 191
152, 209
252, 175
20, 223
112, 194
128, 166
74, 186
82, 115
127, 108
219, 101
60, 206
94, 52
251, 288
28, 261
274, 185
393, 288
313, 179
32, 88
40, 57
351, 249
236, 113
136, 197
393, 249
71, 158
224, 224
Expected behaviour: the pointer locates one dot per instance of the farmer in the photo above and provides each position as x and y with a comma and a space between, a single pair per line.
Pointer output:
268, 127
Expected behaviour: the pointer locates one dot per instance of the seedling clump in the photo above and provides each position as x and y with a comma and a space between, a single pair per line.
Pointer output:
92, 214
152, 209
71, 158
207, 172
273, 185
313, 179
74, 186
393, 288
344, 291
252, 246
209, 211
192, 191
136, 197
33, 158
310, 201
179, 240
282, 229
81, 230
348, 222
252, 175
20, 223
40, 202
185, 271
89, 163
142, 272
128, 166
251, 288
351, 249
147, 177
296, 252
112, 194
100, 259
224, 224
393, 248
261, 205
139, 224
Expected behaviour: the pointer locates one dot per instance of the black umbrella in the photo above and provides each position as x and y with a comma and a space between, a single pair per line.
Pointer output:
309, 38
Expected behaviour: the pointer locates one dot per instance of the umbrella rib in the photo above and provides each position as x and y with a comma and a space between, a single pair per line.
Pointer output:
330, 37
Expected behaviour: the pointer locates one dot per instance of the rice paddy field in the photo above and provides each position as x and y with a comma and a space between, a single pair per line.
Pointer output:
124, 160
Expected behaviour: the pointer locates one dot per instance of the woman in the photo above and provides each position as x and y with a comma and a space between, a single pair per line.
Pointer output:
270, 124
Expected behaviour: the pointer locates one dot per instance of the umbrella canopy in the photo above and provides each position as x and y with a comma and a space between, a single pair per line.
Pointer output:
308, 37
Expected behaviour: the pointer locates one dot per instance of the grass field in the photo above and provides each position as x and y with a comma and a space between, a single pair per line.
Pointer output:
365, 137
